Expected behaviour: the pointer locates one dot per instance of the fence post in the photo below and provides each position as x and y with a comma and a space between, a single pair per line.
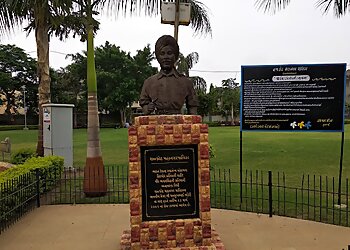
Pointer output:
37, 175
270, 193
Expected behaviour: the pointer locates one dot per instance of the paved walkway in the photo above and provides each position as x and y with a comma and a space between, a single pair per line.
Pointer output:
95, 227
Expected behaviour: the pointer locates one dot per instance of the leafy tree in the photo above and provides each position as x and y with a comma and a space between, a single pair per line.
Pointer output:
230, 98
204, 103
347, 109
67, 86
45, 18
17, 69
208, 102
120, 76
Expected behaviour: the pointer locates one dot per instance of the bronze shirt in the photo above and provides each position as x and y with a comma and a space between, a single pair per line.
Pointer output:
169, 92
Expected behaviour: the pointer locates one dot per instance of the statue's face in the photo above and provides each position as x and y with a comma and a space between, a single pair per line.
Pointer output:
166, 58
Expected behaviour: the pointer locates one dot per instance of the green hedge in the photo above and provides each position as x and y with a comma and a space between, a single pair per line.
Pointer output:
21, 155
17, 127
213, 124
18, 185
50, 169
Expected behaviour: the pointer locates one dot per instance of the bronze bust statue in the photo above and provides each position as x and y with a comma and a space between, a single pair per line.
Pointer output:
167, 91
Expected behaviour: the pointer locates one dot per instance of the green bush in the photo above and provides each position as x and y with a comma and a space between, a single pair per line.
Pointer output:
17, 127
49, 167
347, 121
213, 124
22, 155
18, 184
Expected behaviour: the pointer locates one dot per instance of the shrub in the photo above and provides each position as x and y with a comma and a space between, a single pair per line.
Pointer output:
17, 127
22, 155
213, 124
49, 167
18, 184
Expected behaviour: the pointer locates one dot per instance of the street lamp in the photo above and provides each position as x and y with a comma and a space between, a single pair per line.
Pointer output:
176, 13
25, 107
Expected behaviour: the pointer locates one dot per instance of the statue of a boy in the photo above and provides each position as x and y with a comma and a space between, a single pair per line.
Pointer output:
167, 91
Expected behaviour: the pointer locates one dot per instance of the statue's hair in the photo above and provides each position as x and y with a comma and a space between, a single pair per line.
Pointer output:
167, 40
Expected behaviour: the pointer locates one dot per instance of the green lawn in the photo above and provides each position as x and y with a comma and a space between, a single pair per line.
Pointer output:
296, 159
294, 154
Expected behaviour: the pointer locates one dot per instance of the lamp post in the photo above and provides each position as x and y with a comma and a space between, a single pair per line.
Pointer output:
25, 107
177, 19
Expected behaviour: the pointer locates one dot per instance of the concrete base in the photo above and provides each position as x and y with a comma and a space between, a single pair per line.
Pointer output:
125, 243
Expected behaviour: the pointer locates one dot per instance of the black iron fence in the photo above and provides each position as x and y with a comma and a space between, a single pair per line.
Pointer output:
17, 197
70, 188
314, 198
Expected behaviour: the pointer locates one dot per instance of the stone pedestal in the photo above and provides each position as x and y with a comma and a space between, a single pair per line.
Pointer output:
169, 185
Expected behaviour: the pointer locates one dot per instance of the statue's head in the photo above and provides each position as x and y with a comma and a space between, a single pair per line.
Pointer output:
167, 52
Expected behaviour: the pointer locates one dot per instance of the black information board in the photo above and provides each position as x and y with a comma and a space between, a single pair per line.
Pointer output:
169, 182
293, 97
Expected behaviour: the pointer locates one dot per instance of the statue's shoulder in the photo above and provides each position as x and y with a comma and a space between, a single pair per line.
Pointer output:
185, 79
151, 79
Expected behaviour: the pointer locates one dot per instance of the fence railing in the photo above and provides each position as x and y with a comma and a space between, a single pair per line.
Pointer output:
17, 197
315, 198
70, 188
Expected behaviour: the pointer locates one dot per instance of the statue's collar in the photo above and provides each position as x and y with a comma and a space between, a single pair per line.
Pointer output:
173, 72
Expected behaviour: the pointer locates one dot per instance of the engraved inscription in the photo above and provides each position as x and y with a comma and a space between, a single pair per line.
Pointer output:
169, 182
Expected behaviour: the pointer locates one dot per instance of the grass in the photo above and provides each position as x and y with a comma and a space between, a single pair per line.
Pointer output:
294, 154
297, 160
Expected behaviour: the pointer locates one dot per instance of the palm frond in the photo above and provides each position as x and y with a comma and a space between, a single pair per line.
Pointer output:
150, 7
200, 18
9, 18
271, 6
199, 12
199, 84
340, 7
192, 59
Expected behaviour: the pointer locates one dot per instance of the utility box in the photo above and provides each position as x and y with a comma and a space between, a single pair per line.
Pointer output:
58, 131
168, 13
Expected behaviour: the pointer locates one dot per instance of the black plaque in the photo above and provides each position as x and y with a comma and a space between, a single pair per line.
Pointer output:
169, 182
293, 97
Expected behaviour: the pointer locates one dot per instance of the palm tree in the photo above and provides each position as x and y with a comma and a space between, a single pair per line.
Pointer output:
184, 64
340, 7
44, 18
48, 17
95, 183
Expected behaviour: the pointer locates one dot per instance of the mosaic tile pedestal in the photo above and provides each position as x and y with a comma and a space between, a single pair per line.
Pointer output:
164, 143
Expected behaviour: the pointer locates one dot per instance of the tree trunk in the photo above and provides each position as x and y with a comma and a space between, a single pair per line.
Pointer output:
122, 118
95, 182
232, 118
43, 70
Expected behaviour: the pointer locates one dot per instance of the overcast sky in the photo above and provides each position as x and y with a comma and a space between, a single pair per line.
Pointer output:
242, 35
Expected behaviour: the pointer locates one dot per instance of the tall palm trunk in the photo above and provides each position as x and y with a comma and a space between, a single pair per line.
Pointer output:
42, 43
95, 183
